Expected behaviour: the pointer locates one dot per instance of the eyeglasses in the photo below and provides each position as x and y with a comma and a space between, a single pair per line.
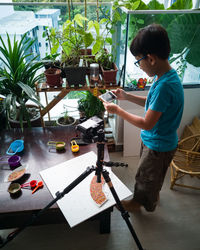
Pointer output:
137, 63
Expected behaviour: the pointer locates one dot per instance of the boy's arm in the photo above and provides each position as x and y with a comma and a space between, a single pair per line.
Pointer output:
146, 123
139, 100
122, 95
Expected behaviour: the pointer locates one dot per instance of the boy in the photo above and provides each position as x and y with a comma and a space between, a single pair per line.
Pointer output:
163, 112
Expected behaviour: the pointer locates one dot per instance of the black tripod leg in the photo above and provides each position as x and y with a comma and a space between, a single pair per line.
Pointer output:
124, 213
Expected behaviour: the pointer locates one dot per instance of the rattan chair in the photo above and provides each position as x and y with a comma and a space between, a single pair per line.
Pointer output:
186, 161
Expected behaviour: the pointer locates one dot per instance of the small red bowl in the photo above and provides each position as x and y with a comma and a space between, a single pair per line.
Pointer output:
33, 183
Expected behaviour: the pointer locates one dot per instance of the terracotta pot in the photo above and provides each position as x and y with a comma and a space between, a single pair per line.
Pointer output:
53, 77
109, 76
87, 52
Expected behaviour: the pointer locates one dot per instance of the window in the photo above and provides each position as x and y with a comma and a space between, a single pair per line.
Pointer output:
183, 31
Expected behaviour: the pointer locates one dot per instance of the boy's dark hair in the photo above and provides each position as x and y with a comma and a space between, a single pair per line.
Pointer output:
152, 39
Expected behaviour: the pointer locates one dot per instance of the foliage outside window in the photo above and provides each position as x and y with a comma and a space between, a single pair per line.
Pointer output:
184, 34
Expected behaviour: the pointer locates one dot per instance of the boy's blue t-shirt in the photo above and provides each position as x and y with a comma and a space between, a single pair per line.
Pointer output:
166, 96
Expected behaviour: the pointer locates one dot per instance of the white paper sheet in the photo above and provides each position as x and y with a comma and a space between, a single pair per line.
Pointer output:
78, 206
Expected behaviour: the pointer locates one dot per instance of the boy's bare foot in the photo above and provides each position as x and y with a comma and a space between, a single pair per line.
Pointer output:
131, 205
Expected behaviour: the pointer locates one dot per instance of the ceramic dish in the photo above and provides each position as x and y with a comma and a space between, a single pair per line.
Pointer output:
59, 145
16, 174
14, 188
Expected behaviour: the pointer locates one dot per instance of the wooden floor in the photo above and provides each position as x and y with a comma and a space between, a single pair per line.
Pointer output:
175, 225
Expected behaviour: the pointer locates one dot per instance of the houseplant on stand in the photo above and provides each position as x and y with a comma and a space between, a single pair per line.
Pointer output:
72, 39
53, 71
53, 77
105, 59
90, 105
108, 67
18, 76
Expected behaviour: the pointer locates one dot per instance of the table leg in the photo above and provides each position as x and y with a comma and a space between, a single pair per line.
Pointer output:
105, 220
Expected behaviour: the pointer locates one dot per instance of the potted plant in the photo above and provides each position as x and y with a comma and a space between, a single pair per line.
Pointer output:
66, 120
53, 70
72, 39
102, 56
51, 60
18, 76
53, 77
90, 105
108, 67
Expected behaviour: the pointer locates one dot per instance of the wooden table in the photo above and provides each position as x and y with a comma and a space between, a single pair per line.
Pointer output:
14, 211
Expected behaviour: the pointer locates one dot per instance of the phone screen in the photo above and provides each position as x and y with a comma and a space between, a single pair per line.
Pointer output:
108, 96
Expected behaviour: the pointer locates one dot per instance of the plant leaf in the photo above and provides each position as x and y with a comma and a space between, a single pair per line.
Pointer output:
155, 5
181, 4
90, 25
184, 33
97, 27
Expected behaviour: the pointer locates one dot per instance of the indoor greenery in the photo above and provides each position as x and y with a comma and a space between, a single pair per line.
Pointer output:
90, 105
103, 38
72, 38
65, 119
105, 59
183, 29
18, 76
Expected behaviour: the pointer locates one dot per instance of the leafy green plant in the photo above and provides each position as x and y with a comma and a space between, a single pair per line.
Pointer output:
18, 77
90, 105
104, 28
184, 34
105, 59
183, 29
152, 5
71, 39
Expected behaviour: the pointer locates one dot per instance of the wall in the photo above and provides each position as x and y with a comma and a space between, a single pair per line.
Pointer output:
129, 136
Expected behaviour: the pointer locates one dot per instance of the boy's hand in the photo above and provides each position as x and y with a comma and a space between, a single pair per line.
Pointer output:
120, 93
111, 107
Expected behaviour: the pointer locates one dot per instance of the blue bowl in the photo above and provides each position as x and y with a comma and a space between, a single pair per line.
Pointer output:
15, 147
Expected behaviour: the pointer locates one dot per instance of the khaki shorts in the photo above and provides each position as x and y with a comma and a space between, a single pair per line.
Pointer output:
150, 176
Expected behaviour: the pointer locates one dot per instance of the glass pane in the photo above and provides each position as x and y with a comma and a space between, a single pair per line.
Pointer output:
184, 35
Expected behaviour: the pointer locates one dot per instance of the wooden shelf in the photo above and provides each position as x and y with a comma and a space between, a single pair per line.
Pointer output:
63, 91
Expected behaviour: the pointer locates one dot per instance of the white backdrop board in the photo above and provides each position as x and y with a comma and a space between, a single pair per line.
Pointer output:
78, 206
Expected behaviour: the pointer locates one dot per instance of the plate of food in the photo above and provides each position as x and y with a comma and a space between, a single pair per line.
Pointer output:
16, 174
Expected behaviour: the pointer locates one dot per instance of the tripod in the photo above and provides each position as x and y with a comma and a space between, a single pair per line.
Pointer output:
98, 172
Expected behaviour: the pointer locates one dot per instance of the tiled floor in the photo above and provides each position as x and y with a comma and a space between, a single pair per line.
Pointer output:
175, 225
